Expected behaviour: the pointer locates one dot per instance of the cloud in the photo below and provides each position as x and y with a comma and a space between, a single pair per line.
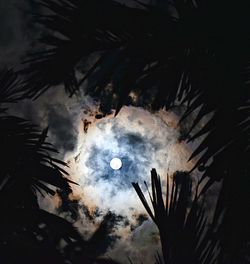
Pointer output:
140, 139
141, 246
60, 113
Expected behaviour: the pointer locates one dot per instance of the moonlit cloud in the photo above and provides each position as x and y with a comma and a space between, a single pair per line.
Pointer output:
141, 139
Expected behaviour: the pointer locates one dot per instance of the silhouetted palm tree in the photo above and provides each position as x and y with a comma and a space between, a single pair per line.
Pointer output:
181, 220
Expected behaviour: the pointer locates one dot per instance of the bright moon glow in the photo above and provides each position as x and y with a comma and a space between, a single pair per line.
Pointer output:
115, 164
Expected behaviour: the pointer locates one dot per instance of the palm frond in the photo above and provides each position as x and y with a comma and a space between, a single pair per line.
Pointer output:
10, 87
23, 145
38, 230
82, 27
183, 227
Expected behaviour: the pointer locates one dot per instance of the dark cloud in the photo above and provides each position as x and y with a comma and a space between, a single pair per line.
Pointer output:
60, 113
62, 127
139, 221
61, 124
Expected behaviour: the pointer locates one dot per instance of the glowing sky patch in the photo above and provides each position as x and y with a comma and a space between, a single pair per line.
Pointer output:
142, 141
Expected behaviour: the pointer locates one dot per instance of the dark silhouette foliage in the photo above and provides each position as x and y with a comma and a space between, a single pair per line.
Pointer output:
190, 53
185, 236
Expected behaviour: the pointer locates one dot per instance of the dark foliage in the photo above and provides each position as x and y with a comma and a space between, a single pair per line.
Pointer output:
10, 90
190, 53
184, 232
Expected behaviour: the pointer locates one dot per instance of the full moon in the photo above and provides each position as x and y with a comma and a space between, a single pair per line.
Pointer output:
115, 164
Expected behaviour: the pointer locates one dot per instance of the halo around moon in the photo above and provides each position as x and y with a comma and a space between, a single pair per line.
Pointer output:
115, 163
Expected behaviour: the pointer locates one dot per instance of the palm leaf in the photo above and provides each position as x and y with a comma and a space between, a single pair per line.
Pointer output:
10, 87
183, 230
24, 146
